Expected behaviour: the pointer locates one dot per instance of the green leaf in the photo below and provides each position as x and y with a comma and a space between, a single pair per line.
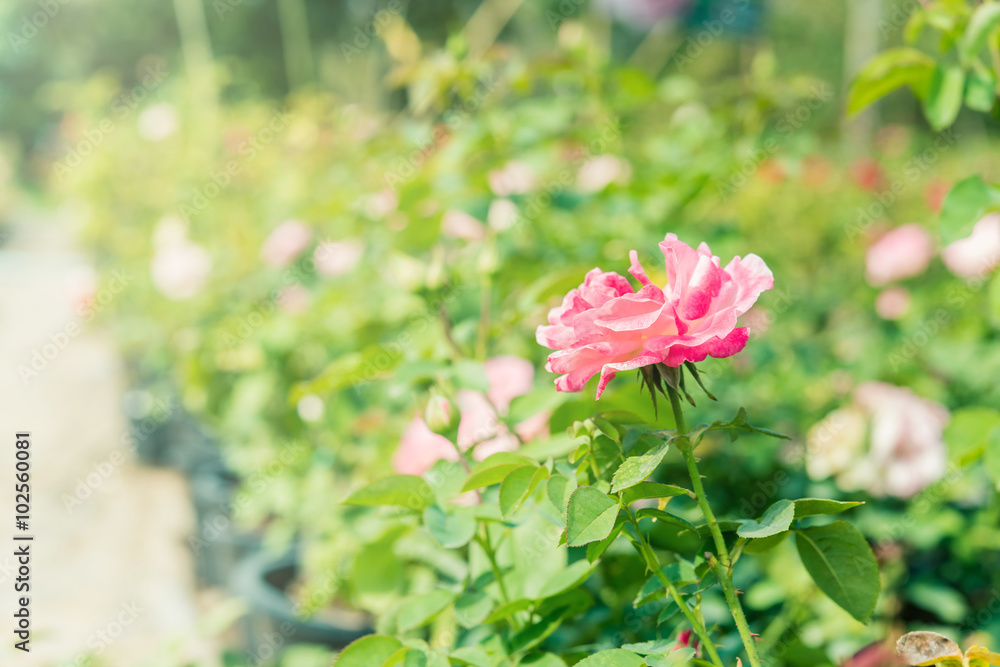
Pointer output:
991, 459
816, 506
590, 516
637, 468
673, 658
886, 72
567, 579
968, 432
507, 610
651, 647
646, 490
471, 609
493, 469
421, 609
559, 489
984, 21
453, 530
473, 655
965, 204
544, 660
615, 657
518, 485
665, 517
944, 96
596, 549
765, 544
777, 518
841, 563
368, 651
400, 490
980, 90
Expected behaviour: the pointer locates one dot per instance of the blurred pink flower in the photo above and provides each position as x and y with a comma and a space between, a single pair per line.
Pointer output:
900, 253
293, 299
335, 258
867, 174
285, 243
892, 303
906, 451
599, 172
502, 214
420, 448
479, 425
509, 377
461, 225
604, 326
158, 122
515, 178
977, 254
81, 287
643, 13
179, 268
383, 203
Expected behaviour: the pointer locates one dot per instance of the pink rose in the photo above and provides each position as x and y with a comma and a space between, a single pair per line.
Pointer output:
336, 258
605, 326
905, 453
180, 269
509, 377
420, 448
285, 243
892, 303
977, 254
900, 253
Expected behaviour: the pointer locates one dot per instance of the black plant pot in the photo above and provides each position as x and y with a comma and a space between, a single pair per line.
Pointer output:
218, 543
263, 580
176, 442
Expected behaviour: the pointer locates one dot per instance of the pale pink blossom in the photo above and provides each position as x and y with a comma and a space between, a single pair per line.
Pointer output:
509, 377
599, 172
900, 253
889, 442
892, 303
285, 243
420, 448
180, 269
605, 326
515, 178
293, 299
158, 122
336, 258
502, 214
461, 225
81, 287
383, 203
480, 427
977, 254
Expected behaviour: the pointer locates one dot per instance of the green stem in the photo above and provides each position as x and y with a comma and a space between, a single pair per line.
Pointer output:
646, 551
484, 542
721, 565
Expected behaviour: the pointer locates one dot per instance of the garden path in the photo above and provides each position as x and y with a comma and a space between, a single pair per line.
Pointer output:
111, 573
